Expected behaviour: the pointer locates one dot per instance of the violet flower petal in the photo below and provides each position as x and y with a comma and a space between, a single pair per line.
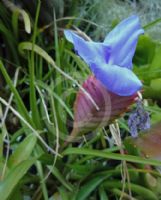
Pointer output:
121, 81
88, 50
122, 40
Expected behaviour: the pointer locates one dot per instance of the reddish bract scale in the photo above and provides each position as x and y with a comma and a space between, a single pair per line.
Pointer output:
111, 106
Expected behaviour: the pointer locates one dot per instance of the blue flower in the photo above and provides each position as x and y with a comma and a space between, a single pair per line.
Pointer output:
111, 60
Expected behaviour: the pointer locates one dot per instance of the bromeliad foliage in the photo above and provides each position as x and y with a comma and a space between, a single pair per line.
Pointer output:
114, 85
111, 60
83, 173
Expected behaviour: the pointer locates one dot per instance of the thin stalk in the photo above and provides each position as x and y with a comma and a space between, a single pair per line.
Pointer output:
33, 100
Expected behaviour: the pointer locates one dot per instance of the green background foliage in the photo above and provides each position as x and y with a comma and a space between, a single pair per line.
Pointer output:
39, 78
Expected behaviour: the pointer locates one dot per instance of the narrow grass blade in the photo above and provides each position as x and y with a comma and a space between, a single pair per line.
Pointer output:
140, 190
90, 186
60, 177
115, 156
15, 17
33, 99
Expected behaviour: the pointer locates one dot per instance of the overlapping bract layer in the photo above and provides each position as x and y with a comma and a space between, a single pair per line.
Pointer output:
87, 117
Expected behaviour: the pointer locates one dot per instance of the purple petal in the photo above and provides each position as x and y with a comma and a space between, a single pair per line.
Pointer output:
89, 51
122, 40
118, 80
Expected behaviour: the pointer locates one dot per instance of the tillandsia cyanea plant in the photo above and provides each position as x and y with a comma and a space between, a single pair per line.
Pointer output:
113, 86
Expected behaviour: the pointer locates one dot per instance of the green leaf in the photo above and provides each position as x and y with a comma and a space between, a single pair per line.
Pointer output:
154, 89
155, 67
90, 186
60, 177
29, 46
102, 193
15, 16
23, 151
63, 194
145, 50
16, 194
155, 84
140, 190
115, 156
13, 178
26, 19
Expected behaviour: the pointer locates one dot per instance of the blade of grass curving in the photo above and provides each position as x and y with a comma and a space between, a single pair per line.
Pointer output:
69, 19
15, 17
115, 156
16, 12
26, 20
